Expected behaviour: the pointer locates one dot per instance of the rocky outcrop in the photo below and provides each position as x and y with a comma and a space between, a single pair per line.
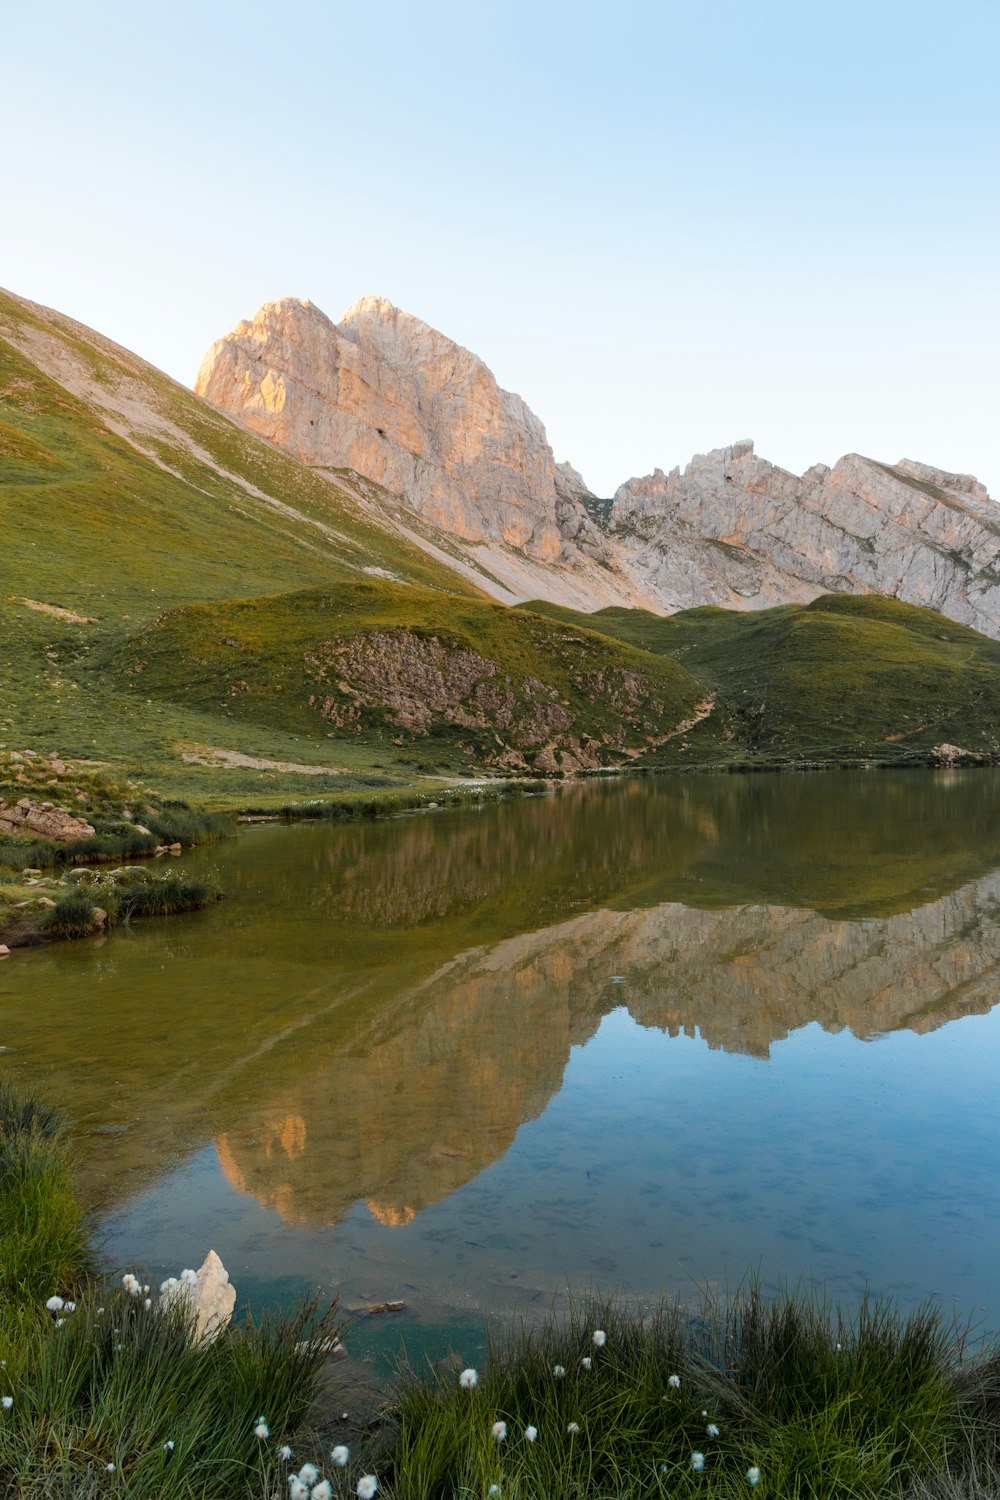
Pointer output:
29, 819
386, 395
737, 531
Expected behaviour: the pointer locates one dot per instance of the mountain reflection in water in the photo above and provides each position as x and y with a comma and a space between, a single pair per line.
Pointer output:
377, 1010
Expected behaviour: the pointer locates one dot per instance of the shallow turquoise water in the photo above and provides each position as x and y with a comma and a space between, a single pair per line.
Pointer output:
641, 1036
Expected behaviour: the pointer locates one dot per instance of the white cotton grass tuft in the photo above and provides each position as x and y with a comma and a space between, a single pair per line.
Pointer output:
697, 1462
6, 1402
558, 1371
753, 1475
284, 1453
309, 1473
599, 1338
493, 1493
712, 1429
55, 1304
60, 1322
262, 1430
323, 1490
168, 1446
189, 1276
367, 1485
531, 1433
499, 1431
573, 1428
296, 1489
586, 1363
69, 1306
340, 1456
109, 1468
674, 1382
468, 1379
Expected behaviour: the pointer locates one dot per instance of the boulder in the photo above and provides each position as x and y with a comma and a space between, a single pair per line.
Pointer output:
211, 1297
42, 819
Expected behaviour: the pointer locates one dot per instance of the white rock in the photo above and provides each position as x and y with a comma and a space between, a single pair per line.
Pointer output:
211, 1297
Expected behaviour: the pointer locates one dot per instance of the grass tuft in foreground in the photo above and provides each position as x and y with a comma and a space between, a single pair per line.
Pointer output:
103, 1391
785, 1399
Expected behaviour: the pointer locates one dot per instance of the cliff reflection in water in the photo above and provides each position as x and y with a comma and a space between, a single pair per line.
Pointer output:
376, 1010
474, 1051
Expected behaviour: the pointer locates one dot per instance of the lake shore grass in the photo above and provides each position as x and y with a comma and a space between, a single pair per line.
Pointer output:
105, 1391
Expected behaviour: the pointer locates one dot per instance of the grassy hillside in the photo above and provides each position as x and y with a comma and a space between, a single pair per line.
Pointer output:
378, 665
122, 493
198, 610
842, 680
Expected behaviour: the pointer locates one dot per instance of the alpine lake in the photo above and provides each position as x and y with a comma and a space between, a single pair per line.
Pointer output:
641, 1035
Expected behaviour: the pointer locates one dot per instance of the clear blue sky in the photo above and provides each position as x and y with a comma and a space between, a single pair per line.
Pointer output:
667, 225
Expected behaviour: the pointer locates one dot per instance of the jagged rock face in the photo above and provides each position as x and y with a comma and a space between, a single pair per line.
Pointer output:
737, 531
386, 395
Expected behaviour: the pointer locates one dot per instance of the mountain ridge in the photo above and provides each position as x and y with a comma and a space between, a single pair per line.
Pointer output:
388, 396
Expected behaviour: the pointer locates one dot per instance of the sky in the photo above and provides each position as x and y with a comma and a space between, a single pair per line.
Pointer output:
667, 226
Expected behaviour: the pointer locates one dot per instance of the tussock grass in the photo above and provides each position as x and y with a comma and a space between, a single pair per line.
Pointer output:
823, 1404
43, 1237
112, 1381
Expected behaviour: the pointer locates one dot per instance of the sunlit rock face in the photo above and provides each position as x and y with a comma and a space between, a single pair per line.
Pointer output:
386, 395
735, 530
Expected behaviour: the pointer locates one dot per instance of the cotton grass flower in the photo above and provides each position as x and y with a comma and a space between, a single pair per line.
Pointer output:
60, 1322
284, 1453
109, 1468
493, 1492
674, 1382
599, 1338
499, 1431
586, 1363
573, 1429
6, 1402
340, 1456
55, 1304
262, 1430
168, 1446
296, 1489
189, 1276
697, 1462
712, 1430
367, 1485
468, 1380
531, 1433
323, 1490
558, 1371
69, 1306
309, 1473
753, 1475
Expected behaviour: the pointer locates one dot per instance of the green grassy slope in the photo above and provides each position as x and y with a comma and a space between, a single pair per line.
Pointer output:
372, 663
841, 680
184, 506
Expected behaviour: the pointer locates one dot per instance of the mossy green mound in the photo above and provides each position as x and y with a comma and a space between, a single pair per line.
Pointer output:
383, 664
842, 680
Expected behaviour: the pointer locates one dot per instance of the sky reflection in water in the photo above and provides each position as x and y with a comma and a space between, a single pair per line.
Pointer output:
395, 1063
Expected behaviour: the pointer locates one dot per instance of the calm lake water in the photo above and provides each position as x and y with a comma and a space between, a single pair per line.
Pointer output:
641, 1035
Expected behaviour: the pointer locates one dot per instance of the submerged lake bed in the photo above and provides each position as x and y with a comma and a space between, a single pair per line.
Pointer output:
642, 1035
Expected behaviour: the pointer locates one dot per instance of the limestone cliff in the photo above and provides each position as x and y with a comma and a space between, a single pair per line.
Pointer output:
386, 395
737, 531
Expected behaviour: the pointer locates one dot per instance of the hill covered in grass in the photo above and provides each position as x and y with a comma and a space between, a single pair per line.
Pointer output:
842, 680
194, 607
378, 665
